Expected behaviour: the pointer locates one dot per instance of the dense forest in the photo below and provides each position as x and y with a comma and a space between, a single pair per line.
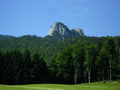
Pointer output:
32, 59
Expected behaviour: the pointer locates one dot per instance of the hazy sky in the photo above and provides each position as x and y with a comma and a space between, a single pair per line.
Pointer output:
95, 17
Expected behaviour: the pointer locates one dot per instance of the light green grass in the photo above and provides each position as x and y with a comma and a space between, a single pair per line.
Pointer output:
91, 86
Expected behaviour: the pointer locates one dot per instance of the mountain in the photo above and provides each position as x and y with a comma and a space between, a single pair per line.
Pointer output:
31, 59
49, 46
61, 31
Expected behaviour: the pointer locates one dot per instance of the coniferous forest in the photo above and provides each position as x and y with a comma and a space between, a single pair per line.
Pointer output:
31, 59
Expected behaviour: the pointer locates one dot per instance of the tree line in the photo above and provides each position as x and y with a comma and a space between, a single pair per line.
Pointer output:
72, 65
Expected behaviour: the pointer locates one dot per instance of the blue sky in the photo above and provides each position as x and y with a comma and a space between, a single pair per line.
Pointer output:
34, 17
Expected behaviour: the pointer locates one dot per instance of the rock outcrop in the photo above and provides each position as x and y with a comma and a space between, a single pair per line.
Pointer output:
62, 31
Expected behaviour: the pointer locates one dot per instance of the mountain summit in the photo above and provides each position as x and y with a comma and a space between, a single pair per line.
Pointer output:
59, 28
62, 31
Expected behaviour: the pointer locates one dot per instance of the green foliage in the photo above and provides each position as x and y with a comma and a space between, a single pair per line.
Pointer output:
64, 63
31, 59
40, 71
19, 68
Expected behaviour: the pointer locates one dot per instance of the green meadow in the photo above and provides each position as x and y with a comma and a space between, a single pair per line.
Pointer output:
91, 86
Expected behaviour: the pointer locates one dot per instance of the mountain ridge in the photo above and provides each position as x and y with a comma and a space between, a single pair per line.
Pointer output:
60, 30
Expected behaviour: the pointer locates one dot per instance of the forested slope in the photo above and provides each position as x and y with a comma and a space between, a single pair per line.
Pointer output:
32, 59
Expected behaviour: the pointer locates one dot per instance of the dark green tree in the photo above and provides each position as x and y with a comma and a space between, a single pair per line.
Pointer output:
91, 55
109, 46
65, 66
40, 70
16, 67
78, 55
27, 66
102, 65
2, 62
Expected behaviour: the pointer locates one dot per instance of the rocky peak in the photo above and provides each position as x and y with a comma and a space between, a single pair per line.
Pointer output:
79, 31
58, 28
62, 31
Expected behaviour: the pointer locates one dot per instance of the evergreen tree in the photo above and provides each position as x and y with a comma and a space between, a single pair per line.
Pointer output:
78, 55
91, 56
40, 70
27, 67
65, 66
102, 65
109, 45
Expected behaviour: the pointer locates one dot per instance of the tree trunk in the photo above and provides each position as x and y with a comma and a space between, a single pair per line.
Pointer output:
110, 68
75, 78
89, 71
89, 75
76, 71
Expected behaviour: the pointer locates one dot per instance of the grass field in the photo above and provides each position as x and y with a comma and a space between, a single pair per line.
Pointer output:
91, 86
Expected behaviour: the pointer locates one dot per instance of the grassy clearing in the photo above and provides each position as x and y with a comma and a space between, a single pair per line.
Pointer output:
91, 86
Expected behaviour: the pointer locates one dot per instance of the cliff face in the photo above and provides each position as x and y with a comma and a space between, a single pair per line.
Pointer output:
60, 30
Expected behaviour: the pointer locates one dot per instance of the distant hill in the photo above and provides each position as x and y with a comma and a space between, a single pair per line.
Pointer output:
48, 46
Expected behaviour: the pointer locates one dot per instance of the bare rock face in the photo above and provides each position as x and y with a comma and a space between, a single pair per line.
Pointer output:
60, 30
79, 31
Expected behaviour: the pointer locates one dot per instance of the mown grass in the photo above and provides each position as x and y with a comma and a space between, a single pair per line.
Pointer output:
91, 86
